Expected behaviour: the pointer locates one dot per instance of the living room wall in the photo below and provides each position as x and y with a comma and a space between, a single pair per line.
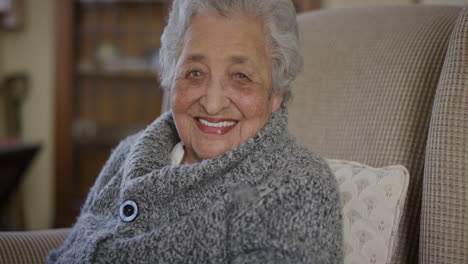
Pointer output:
30, 50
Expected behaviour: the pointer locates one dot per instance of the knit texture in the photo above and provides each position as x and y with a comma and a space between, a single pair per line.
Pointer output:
265, 201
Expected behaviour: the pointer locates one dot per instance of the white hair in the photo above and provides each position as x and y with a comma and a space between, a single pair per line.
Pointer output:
278, 16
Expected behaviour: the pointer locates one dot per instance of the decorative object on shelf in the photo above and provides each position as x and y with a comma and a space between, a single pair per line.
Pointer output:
12, 14
84, 128
152, 59
15, 88
108, 56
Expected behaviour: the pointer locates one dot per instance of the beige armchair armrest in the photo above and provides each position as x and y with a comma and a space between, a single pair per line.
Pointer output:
31, 246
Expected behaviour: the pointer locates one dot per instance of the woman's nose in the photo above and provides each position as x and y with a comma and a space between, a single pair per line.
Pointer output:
215, 99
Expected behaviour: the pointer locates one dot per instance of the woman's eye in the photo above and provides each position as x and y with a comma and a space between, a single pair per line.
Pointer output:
195, 74
240, 76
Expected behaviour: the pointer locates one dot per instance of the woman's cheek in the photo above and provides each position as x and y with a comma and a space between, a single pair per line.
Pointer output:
253, 105
183, 95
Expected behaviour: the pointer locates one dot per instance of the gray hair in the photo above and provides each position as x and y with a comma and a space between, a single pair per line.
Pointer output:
279, 17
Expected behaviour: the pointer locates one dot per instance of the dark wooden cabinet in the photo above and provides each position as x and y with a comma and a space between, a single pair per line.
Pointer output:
106, 87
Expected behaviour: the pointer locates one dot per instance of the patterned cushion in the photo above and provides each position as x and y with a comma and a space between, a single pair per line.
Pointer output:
372, 200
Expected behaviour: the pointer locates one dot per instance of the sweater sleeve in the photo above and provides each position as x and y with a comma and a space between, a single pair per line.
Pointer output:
300, 221
109, 171
113, 164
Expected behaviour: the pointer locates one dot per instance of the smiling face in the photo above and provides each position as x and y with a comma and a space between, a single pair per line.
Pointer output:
222, 93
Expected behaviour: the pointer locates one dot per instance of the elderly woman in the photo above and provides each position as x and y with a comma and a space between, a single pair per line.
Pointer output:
218, 179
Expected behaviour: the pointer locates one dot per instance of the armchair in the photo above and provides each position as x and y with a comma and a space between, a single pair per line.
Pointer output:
382, 85
388, 85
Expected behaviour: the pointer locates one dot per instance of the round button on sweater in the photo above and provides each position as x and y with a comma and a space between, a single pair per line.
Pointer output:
128, 211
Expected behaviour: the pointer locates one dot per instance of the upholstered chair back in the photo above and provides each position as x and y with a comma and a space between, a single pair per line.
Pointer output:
444, 214
367, 93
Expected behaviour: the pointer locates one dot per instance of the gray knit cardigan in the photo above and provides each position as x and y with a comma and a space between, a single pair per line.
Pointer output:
265, 201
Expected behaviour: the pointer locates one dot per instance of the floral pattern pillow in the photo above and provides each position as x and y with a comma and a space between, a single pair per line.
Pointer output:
372, 201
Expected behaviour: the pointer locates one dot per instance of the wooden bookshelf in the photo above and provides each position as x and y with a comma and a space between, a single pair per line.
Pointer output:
107, 87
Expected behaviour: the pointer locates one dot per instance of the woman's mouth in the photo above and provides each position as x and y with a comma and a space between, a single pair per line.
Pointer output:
218, 126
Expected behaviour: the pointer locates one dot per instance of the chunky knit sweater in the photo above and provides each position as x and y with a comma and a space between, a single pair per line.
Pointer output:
265, 201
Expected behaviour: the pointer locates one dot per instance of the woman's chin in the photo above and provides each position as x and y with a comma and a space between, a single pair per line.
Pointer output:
211, 152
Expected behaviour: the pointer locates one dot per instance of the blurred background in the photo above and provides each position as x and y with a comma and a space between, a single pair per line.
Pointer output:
76, 77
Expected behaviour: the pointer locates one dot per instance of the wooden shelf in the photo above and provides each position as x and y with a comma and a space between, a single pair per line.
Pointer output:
107, 135
93, 143
145, 74
123, 1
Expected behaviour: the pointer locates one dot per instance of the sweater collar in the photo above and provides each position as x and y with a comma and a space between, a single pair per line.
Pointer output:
152, 150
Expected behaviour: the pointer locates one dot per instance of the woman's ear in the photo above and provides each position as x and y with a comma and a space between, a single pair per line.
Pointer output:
276, 101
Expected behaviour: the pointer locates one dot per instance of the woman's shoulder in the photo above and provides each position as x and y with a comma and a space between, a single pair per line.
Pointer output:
121, 151
305, 162
302, 167
116, 160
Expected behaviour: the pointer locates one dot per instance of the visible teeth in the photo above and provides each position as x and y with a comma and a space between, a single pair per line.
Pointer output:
220, 124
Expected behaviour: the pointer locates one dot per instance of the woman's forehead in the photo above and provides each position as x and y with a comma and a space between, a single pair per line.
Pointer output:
236, 39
